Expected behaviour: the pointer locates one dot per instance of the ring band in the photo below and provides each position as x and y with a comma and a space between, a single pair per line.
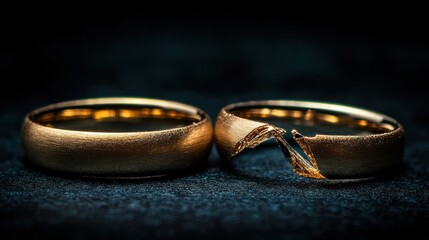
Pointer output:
83, 137
246, 125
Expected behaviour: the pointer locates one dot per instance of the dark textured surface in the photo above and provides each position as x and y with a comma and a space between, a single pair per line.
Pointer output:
209, 67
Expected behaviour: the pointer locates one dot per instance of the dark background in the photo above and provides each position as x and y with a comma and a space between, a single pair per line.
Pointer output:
374, 62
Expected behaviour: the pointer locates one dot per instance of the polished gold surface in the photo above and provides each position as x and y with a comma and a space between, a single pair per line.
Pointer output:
371, 144
117, 137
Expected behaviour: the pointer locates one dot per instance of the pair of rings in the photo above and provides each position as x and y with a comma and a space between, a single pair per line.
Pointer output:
135, 137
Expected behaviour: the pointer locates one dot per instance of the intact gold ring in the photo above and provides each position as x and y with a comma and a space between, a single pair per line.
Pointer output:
371, 145
117, 137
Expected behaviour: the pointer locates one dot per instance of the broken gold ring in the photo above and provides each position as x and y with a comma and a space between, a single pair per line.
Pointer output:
376, 147
117, 137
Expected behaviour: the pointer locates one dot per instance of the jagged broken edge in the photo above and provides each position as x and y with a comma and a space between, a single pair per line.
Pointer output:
256, 137
300, 139
300, 165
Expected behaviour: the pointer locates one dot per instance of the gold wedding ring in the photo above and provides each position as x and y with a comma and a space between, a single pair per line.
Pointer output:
117, 137
371, 145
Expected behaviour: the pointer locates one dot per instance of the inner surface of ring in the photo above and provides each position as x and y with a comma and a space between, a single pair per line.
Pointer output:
312, 121
116, 118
